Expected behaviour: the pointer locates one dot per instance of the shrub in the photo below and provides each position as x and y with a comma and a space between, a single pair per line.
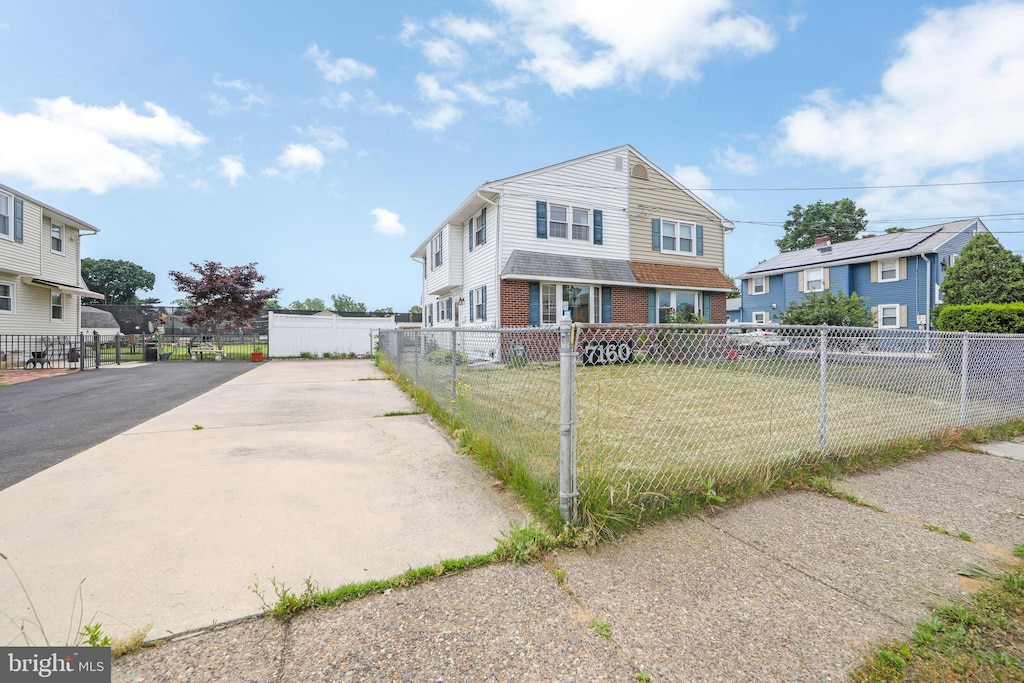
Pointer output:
998, 318
444, 357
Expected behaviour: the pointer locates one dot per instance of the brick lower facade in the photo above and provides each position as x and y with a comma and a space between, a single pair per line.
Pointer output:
515, 303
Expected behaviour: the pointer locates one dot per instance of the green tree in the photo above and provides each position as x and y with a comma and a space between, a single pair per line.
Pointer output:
735, 293
841, 220
986, 272
118, 281
384, 311
829, 308
895, 229
316, 304
272, 305
416, 310
343, 303
222, 294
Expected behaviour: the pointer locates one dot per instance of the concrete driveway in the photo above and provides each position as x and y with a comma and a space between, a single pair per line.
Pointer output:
296, 472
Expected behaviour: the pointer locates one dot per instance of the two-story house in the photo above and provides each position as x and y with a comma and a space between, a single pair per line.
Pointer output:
608, 237
40, 267
899, 273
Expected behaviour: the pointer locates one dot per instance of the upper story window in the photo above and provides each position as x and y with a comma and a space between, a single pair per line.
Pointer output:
569, 222
6, 297
757, 285
437, 250
558, 221
889, 270
56, 239
5, 216
953, 258
581, 224
481, 228
814, 280
677, 237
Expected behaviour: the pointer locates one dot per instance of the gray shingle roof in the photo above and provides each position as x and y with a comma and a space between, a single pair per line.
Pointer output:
95, 318
920, 240
558, 266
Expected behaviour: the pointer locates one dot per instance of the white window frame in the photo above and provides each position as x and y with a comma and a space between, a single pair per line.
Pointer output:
677, 239
952, 259
479, 307
896, 270
7, 225
760, 318
437, 251
562, 225
10, 295
674, 295
571, 226
753, 285
808, 279
881, 316
480, 232
61, 235
60, 299
556, 298
580, 226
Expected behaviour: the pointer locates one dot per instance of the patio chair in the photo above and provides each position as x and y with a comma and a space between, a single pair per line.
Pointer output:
40, 359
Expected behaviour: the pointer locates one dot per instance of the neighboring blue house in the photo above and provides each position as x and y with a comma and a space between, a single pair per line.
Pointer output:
899, 274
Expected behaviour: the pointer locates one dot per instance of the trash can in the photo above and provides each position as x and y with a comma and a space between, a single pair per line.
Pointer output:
73, 355
150, 352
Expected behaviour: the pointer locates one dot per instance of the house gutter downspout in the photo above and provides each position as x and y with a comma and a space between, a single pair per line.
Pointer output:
927, 292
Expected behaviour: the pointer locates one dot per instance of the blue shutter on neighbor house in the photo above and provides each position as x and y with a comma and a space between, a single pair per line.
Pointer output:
471, 305
483, 226
19, 220
606, 304
470, 234
534, 304
542, 220
700, 240
598, 227
707, 303
652, 307
483, 302
656, 234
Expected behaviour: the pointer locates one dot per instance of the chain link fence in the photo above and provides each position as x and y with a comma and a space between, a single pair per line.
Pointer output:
617, 415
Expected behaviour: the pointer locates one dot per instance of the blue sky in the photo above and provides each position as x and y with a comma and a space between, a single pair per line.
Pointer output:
325, 141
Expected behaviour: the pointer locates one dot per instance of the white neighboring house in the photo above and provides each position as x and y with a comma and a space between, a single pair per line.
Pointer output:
40, 267
607, 237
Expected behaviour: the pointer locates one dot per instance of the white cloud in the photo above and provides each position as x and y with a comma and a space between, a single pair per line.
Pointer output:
250, 95
477, 94
576, 44
794, 21
338, 70
442, 117
232, 168
5, 27
443, 52
340, 101
692, 177
64, 145
431, 91
325, 137
736, 162
298, 158
951, 99
466, 30
372, 105
387, 222
518, 113
201, 185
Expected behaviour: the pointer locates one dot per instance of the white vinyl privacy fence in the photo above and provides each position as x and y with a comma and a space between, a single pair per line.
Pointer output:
618, 416
294, 335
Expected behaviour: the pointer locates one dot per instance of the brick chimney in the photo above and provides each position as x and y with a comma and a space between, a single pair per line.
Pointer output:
822, 241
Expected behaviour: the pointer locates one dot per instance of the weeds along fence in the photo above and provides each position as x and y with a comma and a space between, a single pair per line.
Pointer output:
605, 418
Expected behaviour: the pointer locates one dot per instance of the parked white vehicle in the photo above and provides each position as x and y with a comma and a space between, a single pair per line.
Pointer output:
757, 339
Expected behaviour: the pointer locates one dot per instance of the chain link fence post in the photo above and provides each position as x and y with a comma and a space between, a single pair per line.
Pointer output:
823, 374
964, 365
567, 492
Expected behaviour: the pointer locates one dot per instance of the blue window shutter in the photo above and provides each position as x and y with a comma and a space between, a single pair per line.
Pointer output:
606, 304
542, 221
700, 240
483, 225
707, 304
656, 234
471, 234
598, 226
534, 304
449, 306
19, 220
652, 307
471, 305
483, 302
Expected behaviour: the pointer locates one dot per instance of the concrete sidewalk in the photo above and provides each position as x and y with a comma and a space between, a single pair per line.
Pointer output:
789, 588
295, 472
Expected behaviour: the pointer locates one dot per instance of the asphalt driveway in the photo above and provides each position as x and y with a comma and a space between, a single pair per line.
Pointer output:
47, 421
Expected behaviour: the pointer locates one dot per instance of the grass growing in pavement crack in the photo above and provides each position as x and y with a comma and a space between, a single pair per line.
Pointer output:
827, 486
962, 535
399, 413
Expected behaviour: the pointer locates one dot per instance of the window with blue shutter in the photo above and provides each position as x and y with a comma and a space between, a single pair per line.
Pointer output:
700, 240
481, 228
448, 308
471, 306
19, 220
598, 226
542, 221
656, 234
534, 304
470, 231
606, 304
483, 302
652, 307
